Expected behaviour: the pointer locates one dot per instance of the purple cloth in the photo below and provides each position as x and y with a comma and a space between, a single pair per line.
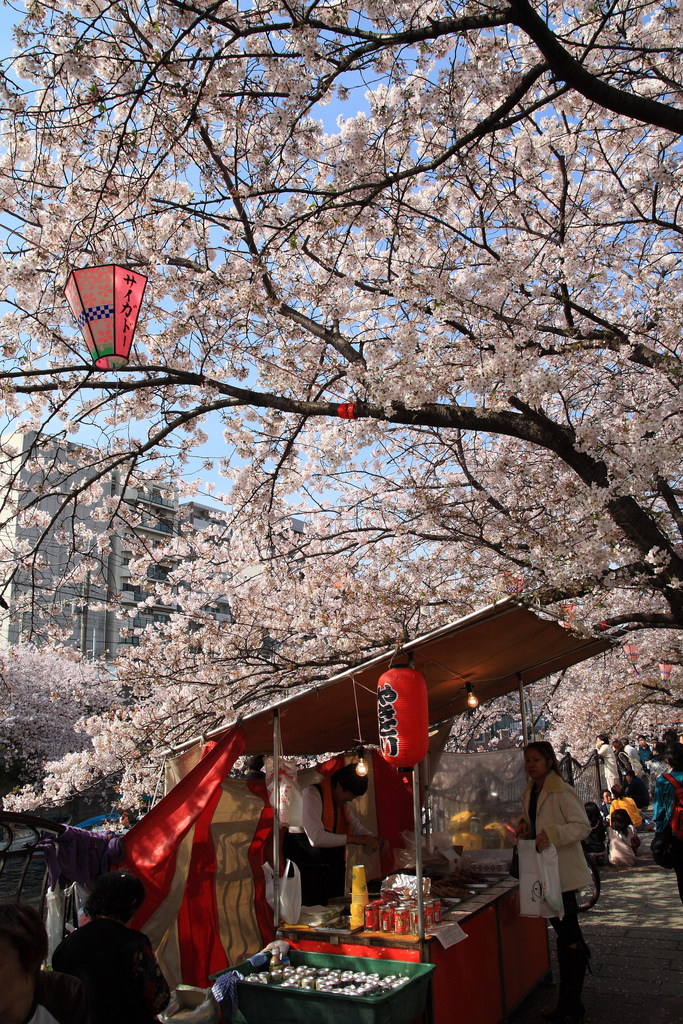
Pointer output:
79, 855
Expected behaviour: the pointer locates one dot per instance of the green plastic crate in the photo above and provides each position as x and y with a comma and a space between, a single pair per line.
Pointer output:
261, 1004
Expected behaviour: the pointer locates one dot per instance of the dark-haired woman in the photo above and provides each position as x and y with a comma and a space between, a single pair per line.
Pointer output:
594, 844
27, 994
319, 847
554, 815
115, 963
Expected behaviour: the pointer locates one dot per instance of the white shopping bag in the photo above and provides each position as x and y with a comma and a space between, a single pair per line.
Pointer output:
540, 894
55, 919
291, 804
290, 891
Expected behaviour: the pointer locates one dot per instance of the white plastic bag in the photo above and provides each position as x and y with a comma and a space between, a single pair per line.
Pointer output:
194, 1005
290, 891
55, 919
291, 810
540, 894
549, 874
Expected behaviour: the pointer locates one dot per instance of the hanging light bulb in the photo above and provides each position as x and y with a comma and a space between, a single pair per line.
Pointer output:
472, 698
361, 763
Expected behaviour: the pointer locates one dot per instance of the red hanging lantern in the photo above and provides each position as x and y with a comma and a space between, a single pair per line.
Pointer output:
403, 717
105, 302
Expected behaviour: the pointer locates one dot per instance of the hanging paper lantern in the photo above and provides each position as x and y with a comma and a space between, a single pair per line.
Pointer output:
513, 584
569, 612
632, 652
105, 302
403, 717
665, 671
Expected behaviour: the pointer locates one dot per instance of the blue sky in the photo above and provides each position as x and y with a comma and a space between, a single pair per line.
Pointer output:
8, 18
215, 447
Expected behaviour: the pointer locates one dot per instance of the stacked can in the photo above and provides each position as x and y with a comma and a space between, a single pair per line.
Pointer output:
400, 917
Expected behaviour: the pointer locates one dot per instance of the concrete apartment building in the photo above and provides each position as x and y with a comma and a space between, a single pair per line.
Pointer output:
91, 607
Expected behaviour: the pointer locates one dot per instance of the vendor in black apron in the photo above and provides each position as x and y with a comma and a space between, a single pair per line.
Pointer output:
319, 848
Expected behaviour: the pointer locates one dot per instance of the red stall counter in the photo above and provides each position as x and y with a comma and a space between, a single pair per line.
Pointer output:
483, 977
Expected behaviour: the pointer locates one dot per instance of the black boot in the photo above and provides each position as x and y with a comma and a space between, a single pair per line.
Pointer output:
558, 1013
576, 964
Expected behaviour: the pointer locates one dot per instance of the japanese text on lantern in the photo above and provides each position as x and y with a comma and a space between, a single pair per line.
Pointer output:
127, 308
388, 733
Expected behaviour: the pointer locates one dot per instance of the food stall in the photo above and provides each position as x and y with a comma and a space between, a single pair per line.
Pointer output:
200, 851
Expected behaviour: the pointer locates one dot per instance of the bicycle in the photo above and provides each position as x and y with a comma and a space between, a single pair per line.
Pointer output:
588, 895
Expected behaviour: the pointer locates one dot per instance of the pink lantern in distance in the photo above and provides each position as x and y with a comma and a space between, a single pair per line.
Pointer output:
632, 652
665, 671
105, 302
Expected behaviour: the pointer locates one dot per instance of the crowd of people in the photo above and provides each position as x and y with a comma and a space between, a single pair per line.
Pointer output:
636, 777
554, 815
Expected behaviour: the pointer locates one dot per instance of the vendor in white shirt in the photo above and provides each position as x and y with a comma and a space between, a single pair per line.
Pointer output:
319, 848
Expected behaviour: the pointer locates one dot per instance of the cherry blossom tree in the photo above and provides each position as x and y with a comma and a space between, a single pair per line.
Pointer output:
417, 264
46, 696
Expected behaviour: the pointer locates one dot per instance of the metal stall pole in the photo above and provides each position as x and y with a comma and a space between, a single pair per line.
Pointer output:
417, 821
276, 819
427, 774
522, 704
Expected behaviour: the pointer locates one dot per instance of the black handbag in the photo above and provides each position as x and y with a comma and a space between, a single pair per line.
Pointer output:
665, 848
514, 863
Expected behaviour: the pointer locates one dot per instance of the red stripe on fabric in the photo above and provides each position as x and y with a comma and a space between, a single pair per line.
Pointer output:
199, 941
394, 803
152, 844
259, 850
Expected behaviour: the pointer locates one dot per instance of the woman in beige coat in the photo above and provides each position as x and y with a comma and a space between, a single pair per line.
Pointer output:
554, 815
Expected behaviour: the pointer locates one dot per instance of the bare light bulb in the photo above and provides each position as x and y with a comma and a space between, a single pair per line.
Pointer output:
361, 767
472, 699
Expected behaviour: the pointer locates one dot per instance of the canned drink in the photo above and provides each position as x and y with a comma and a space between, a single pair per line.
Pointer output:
401, 919
429, 913
437, 911
371, 918
386, 918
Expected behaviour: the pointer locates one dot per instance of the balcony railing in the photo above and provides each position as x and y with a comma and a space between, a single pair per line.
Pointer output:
160, 525
155, 499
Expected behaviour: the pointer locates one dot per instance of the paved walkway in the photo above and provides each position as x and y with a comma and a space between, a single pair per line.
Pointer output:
635, 932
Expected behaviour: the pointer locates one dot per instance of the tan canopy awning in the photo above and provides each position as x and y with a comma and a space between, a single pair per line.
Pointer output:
491, 649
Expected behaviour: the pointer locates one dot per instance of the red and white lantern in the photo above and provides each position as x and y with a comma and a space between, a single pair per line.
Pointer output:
403, 717
105, 302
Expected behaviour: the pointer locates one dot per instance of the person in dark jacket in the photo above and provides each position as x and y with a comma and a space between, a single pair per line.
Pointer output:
637, 790
594, 844
28, 994
644, 751
115, 963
